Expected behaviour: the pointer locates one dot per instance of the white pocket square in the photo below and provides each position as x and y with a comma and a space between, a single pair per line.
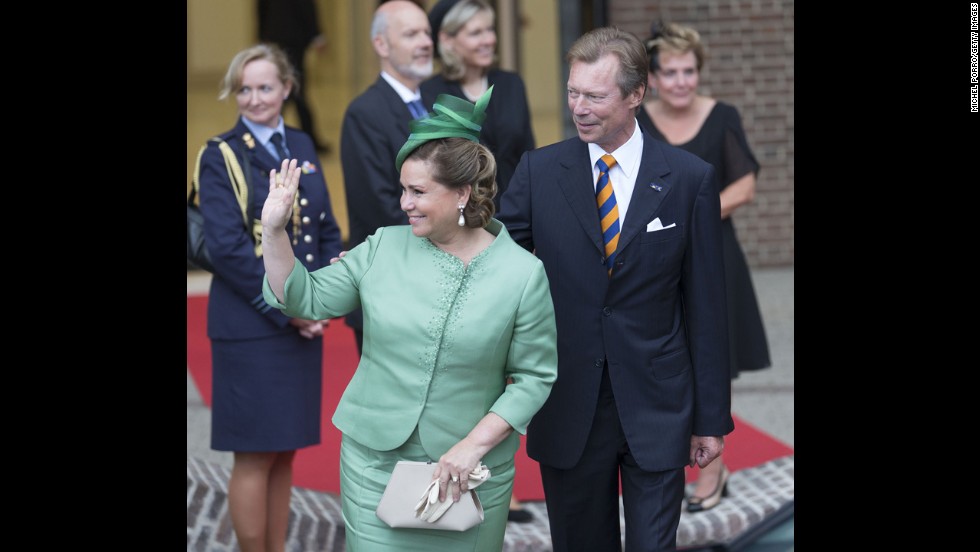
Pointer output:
656, 225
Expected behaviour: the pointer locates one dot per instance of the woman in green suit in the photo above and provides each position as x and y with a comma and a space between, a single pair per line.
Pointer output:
452, 309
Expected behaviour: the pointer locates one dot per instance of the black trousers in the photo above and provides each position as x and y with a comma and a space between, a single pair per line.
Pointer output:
583, 502
299, 98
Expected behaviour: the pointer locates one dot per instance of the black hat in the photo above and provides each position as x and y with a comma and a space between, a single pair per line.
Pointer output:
436, 15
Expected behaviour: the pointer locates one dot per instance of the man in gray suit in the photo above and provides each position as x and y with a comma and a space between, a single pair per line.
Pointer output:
376, 124
629, 231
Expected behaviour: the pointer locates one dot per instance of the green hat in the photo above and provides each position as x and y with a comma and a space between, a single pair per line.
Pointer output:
453, 118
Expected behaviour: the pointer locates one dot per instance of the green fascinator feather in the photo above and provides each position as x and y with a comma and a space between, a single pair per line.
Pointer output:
452, 117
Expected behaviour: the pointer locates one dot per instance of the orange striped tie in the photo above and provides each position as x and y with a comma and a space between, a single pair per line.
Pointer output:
608, 211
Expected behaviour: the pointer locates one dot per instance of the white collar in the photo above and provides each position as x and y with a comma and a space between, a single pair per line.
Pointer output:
402, 90
627, 156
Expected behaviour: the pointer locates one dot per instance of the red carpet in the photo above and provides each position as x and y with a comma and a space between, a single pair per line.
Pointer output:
319, 467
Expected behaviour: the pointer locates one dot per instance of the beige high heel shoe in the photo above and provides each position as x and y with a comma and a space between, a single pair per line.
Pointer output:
702, 504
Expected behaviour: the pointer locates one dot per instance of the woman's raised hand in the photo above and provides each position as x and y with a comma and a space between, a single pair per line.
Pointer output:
278, 208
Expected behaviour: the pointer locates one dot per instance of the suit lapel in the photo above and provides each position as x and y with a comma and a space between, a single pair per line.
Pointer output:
649, 192
397, 109
579, 190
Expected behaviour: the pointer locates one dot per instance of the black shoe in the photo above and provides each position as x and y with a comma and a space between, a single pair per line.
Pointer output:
519, 516
703, 504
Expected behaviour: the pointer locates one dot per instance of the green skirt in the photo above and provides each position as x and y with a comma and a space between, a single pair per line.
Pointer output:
364, 473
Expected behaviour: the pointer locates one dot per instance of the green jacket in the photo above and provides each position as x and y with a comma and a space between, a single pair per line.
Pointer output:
440, 339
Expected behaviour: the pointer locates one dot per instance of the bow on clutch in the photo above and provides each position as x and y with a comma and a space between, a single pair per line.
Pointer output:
430, 509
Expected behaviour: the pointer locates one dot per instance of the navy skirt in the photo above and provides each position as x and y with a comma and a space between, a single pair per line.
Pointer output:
266, 393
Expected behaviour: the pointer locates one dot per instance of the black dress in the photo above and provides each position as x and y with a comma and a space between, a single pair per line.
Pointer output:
721, 141
506, 131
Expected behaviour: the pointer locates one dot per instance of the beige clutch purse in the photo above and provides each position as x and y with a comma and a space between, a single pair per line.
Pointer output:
411, 500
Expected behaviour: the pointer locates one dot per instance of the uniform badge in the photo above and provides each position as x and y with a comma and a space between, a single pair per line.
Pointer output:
308, 168
249, 141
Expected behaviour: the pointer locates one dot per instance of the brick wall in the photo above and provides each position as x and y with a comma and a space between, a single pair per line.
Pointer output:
749, 65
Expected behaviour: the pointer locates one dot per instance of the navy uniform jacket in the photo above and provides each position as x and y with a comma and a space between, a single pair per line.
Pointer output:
507, 128
236, 309
659, 322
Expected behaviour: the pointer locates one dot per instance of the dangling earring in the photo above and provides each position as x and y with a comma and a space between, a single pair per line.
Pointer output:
462, 219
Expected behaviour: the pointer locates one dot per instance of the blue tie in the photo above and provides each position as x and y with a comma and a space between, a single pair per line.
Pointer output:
608, 211
417, 109
277, 142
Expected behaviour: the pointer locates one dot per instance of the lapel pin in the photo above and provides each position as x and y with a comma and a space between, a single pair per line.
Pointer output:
249, 141
655, 187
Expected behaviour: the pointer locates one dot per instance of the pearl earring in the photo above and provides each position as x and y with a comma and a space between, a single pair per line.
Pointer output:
462, 219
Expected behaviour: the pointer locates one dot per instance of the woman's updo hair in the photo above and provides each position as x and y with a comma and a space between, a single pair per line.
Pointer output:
673, 38
457, 162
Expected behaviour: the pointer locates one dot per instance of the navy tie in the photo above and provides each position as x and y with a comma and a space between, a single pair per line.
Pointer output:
417, 109
277, 142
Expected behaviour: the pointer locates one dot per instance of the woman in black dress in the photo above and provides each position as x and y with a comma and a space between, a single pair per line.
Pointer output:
712, 130
465, 39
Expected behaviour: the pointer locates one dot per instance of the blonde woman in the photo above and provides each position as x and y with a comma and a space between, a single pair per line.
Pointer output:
266, 366
466, 43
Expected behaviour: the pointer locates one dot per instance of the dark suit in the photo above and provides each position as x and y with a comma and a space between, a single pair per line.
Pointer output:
375, 127
507, 128
642, 354
292, 25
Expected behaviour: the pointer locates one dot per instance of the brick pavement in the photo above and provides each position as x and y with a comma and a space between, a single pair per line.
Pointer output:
316, 524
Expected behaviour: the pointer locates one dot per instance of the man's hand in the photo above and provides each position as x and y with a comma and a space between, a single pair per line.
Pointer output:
705, 449
319, 43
